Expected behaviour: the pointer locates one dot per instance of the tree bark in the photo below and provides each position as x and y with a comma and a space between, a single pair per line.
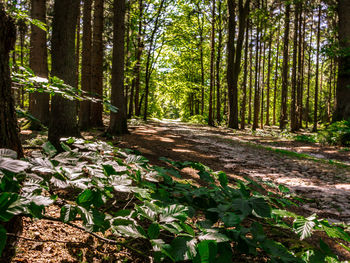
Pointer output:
342, 108
63, 121
97, 64
85, 106
212, 57
283, 118
8, 122
314, 128
268, 88
245, 76
276, 76
218, 65
293, 113
38, 101
118, 121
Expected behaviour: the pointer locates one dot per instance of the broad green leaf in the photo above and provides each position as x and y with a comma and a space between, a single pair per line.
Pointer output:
3, 238
7, 153
231, 219
68, 213
153, 231
128, 231
243, 206
304, 226
49, 149
15, 166
213, 234
207, 250
261, 207
223, 179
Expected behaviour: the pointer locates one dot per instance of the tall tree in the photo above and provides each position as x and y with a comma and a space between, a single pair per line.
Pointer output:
118, 120
212, 57
85, 106
8, 122
234, 55
63, 121
218, 65
342, 108
97, 64
39, 101
293, 113
245, 76
285, 68
314, 128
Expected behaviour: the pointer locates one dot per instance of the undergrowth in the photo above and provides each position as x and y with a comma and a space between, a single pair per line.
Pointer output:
117, 190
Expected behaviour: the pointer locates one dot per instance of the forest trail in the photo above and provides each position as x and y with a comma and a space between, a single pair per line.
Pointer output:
327, 186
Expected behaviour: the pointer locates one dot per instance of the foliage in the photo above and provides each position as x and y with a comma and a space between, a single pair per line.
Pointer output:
304, 138
338, 133
179, 220
26, 78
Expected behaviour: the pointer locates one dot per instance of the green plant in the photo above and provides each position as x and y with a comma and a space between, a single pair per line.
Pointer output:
338, 133
304, 138
179, 220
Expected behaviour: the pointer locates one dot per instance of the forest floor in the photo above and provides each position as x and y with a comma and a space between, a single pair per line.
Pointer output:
303, 167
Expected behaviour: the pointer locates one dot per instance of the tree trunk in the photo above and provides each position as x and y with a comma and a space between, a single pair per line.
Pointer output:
250, 79
149, 58
212, 57
285, 70
256, 86
218, 65
293, 113
85, 106
8, 122
245, 76
262, 78
97, 64
138, 61
38, 101
276, 76
118, 121
268, 82
232, 84
307, 106
342, 108
63, 121
314, 128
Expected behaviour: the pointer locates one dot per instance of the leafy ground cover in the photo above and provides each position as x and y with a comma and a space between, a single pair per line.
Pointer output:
155, 214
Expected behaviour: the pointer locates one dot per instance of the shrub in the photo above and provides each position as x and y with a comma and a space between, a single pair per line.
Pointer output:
338, 133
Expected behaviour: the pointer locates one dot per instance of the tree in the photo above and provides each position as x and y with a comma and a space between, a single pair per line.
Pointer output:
283, 118
63, 121
234, 55
8, 122
39, 101
314, 128
85, 106
212, 58
342, 109
118, 121
97, 64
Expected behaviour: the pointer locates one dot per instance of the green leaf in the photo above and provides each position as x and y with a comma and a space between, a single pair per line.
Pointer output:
49, 149
243, 206
277, 251
207, 250
3, 238
283, 189
153, 231
223, 179
7, 153
15, 166
213, 234
205, 176
261, 207
173, 213
181, 248
304, 226
68, 213
231, 219
128, 231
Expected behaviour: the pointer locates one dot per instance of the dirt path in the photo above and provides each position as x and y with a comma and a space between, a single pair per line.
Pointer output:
222, 149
